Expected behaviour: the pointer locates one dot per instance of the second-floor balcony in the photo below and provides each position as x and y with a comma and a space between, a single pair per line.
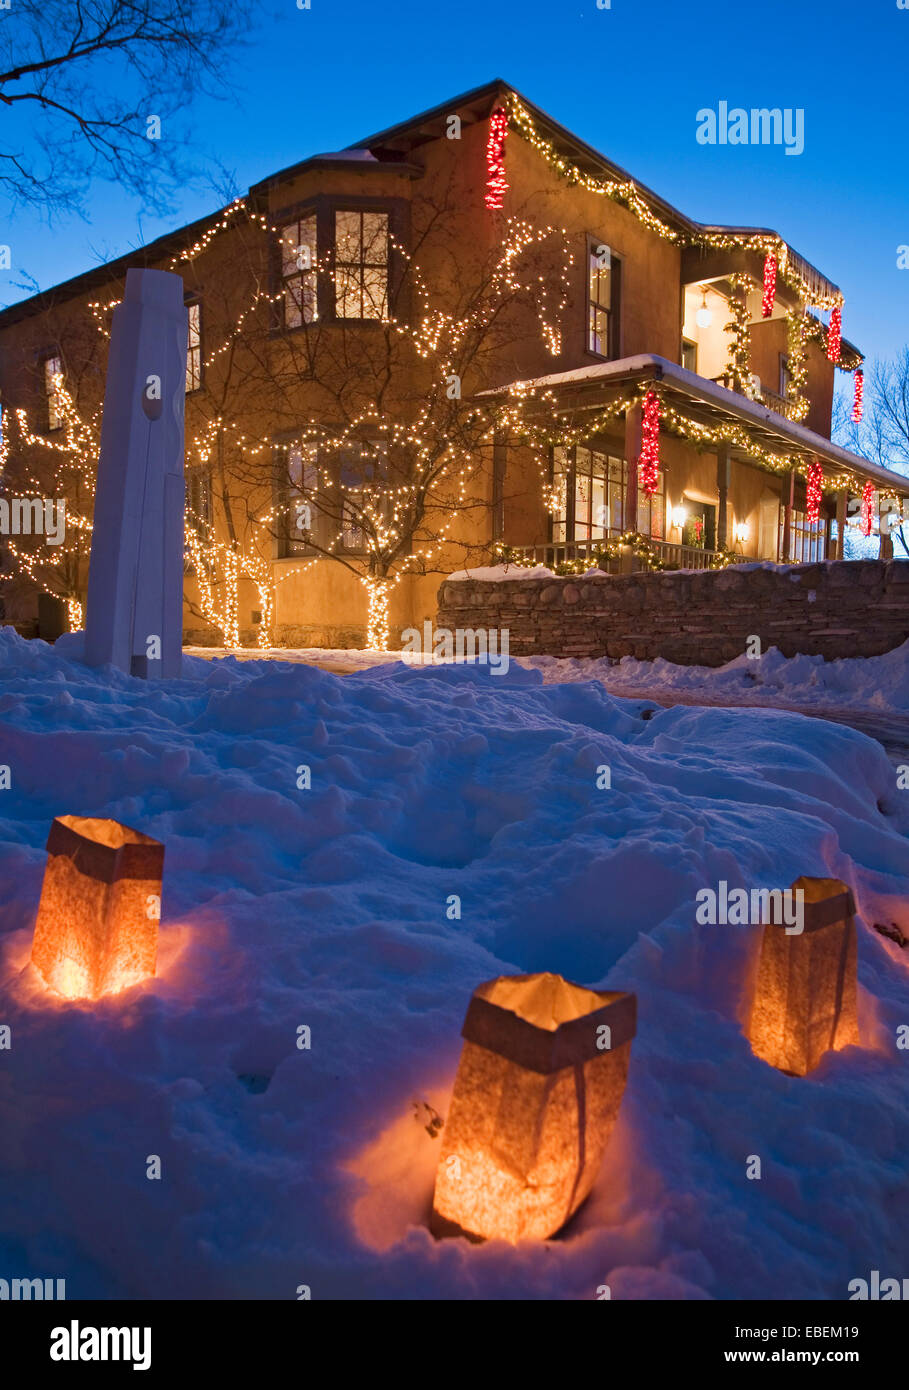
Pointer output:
771, 399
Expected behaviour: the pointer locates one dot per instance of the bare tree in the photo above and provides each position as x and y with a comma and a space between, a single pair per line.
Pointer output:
385, 457
882, 435
89, 86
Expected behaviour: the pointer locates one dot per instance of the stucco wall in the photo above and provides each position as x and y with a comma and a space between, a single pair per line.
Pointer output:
835, 609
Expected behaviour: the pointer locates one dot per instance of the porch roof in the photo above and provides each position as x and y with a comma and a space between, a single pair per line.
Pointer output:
707, 403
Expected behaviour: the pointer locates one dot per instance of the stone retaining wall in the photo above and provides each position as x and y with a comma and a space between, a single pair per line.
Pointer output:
833, 609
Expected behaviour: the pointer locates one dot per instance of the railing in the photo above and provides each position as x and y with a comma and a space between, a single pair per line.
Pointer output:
771, 399
678, 557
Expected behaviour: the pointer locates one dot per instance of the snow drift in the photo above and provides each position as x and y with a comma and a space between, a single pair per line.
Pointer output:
330, 909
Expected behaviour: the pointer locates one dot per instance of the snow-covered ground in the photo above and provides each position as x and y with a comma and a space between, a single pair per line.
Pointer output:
327, 908
877, 684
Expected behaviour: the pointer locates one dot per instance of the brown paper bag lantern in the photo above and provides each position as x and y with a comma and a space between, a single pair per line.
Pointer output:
97, 925
805, 998
538, 1089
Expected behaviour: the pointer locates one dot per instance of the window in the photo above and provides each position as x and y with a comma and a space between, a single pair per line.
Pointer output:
602, 299
587, 497
194, 347
361, 264
297, 482
298, 272
53, 367
689, 355
198, 500
785, 376
807, 539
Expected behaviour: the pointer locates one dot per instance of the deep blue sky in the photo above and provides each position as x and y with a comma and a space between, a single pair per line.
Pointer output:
629, 80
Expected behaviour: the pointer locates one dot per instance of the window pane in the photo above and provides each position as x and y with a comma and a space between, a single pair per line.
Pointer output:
375, 281
347, 293
375, 238
293, 312
347, 236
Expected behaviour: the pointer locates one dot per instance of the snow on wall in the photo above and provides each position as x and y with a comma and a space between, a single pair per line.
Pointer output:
327, 908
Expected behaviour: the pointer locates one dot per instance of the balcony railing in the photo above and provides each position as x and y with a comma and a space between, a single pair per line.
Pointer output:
771, 399
676, 557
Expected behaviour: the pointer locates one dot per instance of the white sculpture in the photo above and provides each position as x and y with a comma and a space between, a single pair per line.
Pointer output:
134, 615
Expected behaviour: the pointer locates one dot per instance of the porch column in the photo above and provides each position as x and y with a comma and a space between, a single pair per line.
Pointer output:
723, 471
842, 499
632, 454
785, 557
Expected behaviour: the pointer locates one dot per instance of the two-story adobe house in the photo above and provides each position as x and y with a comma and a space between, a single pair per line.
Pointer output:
669, 404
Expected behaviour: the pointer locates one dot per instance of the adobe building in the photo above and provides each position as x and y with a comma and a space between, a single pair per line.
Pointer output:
672, 411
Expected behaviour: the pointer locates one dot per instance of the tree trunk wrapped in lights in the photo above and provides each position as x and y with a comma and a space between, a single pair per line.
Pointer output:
97, 926
805, 998
538, 1089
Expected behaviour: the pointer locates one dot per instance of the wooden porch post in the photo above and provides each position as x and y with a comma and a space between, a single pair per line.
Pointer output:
842, 497
785, 558
886, 550
723, 472
632, 454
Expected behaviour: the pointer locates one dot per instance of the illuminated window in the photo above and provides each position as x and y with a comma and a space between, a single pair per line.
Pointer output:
53, 368
602, 300
588, 497
194, 348
298, 272
198, 500
297, 484
361, 264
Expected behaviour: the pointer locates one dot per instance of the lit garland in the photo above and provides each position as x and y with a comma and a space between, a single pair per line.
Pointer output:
769, 294
835, 334
858, 408
496, 183
605, 552
796, 356
739, 364
650, 444
867, 507
626, 193
814, 491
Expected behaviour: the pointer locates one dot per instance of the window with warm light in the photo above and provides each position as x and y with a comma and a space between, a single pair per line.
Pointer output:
297, 481
53, 375
361, 264
198, 500
194, 347
588, 497
603, 275
298, 272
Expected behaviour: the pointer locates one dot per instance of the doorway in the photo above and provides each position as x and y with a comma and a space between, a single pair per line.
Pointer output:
699, 530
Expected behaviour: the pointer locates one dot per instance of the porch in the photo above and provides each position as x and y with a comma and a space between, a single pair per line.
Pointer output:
668, 555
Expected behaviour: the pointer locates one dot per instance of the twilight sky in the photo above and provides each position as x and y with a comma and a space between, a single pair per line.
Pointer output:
628, 79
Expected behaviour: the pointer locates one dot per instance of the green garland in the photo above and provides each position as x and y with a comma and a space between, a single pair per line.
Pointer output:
641, 547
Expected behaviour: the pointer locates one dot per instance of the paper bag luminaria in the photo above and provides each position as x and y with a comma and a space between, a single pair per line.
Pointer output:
538, 1089
805, 997
97, 925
